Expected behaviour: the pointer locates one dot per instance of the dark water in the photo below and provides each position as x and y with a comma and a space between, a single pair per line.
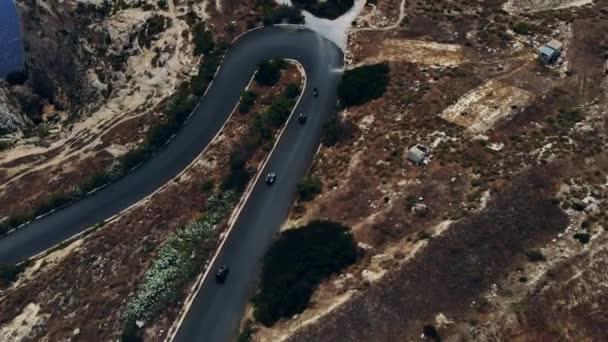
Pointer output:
11, 46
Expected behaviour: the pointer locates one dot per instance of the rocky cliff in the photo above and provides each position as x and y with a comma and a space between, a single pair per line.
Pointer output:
76, 55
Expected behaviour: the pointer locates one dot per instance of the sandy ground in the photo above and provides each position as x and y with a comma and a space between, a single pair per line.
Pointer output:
417, 51
482, 107
21, 326
148, 86
103, 268
530, 6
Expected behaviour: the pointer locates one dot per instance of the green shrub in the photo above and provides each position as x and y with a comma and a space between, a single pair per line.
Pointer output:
269, 72
279, 110
308, 188
8, 273
281, 14
521, 28
239, 176
133, 158
336, 130
16, 78
292, 91
296, 263
535, 256
578, 206
54, 201
203, 39
363, 84
207, 186
247, 100
429, 331
582, 237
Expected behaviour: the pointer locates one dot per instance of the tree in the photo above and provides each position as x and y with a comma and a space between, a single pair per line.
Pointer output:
9, 273
203, 39
16, 78
296, 263
247, 100
269, 72
363, 84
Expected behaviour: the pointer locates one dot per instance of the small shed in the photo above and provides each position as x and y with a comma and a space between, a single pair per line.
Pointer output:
417, 154
549, 52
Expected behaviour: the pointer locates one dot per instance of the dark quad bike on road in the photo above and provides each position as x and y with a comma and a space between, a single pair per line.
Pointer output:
222, 273
271, 178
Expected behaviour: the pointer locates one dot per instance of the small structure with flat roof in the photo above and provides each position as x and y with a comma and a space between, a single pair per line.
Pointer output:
417, 154
549, 52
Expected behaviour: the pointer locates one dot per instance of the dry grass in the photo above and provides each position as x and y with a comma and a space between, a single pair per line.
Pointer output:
87, 287
481, 108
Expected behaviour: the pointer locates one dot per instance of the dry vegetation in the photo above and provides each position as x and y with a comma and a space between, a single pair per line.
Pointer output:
83, 293
517, 168
60, 156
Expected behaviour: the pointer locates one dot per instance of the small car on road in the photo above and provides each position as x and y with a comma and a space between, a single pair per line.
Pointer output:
270, 178
222, 273
302, 118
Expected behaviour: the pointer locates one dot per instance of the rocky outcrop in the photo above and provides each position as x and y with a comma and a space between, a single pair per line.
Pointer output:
11, 118
53, 36
76, 55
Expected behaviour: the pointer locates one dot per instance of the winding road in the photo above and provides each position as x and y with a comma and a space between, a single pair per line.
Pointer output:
216, 310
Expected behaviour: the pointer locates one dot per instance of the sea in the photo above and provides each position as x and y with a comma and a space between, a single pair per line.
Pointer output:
11, 45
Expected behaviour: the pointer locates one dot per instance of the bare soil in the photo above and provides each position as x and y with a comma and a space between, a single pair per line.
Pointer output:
87, 288
528, 179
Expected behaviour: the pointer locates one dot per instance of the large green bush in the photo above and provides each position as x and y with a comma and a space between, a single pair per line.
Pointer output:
363, 84
269, 72
296, 263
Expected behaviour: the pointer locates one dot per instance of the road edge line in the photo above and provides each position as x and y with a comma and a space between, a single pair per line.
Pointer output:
172, 333
163, 187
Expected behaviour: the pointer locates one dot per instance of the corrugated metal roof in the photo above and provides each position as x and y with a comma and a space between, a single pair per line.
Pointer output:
545, 50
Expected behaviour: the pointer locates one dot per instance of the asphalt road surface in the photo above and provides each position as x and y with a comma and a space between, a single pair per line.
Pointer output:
216, 311
218, 308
